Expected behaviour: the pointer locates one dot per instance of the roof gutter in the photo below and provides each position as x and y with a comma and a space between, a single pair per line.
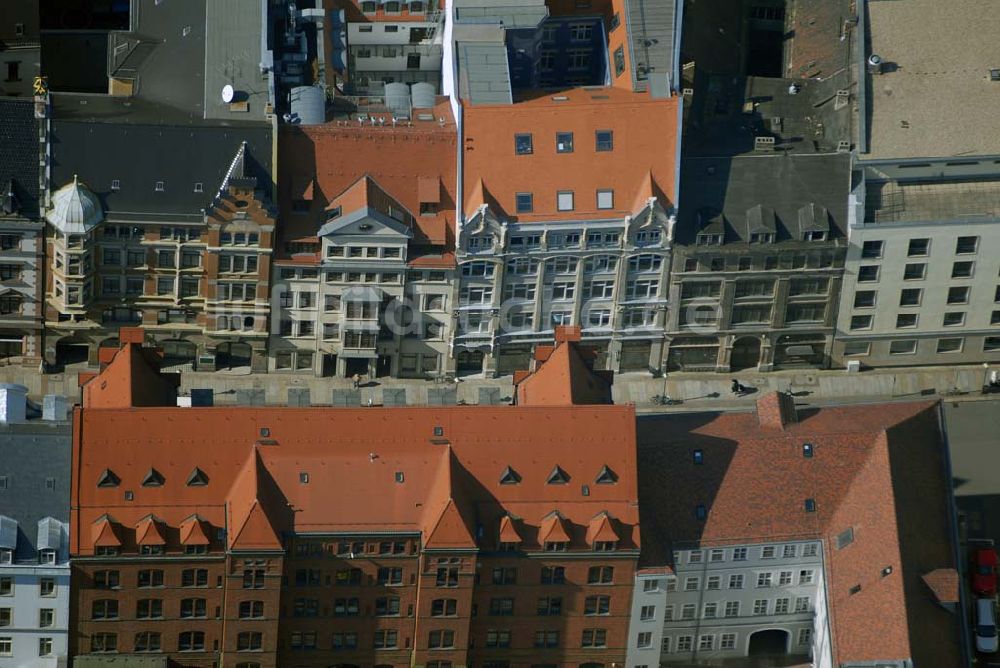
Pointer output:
862, 73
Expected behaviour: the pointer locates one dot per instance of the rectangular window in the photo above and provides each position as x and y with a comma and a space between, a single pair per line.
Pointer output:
958, 295
954, 319
868, 273
564, 142
605, 199
914, 271
525, 202
949, 345
905, 347
910, 296
864, 298
523, 144
871, 250
966, 245
732, 608
604, 140
619, 56
861, 322
904, 320
962, 269
565, 200
918, 248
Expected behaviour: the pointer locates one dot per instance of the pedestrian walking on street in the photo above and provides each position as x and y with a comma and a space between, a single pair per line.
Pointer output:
357, 381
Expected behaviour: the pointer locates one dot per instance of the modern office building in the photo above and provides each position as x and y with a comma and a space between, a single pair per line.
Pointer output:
567, 179
922, 284
826, 537
364, 271
34, 535
23, 133
319, 536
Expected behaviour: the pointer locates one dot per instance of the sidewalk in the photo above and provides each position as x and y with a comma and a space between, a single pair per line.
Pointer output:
696, 391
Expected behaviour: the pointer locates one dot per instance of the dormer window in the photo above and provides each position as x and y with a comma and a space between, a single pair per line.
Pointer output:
649, 238
199, 187
709, 239
510, 477
762, 237
700, 512
815, 235
159, 187
509, 547
116, 184
108, 479
557, 477
480, 243
196, 549
368, 7
605, 546
556, 546
6, 556
46, 556
153, 479
106, 551
197, 478
148, 550
699, 457
606, 476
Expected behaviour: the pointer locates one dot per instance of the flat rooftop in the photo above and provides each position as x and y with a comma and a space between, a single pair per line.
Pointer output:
922, 201
935, 98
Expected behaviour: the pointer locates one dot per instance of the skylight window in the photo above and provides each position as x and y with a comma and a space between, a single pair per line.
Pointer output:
807, 450
700, 511
810, 505
699, 456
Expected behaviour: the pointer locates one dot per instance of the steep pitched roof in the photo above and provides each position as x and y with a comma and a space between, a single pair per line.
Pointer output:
105, 532
194, 531
150, 531
601, 529
19, 153
445, 523
878, 470
562, 376
554, 529
251, 527
132, 378
397, 158
508, 530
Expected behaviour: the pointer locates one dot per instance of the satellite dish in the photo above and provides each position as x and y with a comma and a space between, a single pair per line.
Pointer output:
227, 93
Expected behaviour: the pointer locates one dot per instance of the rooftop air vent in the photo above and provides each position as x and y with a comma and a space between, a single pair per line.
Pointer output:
875, 64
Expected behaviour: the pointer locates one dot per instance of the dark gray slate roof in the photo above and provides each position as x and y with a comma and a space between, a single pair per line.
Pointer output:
786, 193
140, 155
19, 154
652, 32
30, 454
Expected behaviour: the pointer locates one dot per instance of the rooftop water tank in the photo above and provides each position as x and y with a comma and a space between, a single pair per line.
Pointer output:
308, 105
397, 98
423, 95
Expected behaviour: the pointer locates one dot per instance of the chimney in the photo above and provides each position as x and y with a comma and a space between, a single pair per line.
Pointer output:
776, 409
13, 402
568, 333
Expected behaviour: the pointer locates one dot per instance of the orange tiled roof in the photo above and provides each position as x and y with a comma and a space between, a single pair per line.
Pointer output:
150, 531
562, 376
400, 159
351, 454
194, 531
877, 470
641, 163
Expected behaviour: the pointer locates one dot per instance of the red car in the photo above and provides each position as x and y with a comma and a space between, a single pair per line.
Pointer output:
984, 572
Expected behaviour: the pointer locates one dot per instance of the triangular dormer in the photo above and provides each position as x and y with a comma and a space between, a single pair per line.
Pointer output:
150, 530
153, 478
606, 476
367, 209
197, 478
194, 531
509, 533
557, 477
510, 477
108, 479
